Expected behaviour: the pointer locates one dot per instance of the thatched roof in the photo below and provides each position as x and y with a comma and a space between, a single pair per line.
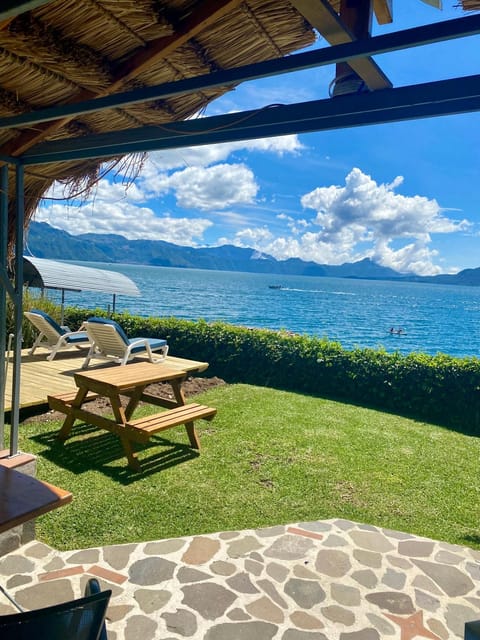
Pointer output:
66, 51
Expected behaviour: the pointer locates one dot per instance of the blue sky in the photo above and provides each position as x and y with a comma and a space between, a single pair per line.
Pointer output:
406, 194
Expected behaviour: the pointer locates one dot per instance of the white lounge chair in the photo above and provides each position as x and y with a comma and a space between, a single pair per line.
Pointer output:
52, 336
109, 342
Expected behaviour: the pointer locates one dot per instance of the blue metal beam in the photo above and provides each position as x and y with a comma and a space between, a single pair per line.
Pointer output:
418, 36
459, 95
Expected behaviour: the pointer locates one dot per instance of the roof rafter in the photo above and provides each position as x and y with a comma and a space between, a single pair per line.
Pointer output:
196, 22
321, 16
458, 95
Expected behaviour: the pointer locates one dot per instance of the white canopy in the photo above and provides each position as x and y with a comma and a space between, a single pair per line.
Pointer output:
51, 274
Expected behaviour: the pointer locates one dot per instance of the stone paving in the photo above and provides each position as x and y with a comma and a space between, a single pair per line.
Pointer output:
333, 579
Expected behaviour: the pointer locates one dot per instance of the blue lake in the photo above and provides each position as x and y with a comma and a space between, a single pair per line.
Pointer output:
353, 312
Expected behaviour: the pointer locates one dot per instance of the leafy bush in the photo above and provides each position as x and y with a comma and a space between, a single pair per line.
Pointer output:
437, 388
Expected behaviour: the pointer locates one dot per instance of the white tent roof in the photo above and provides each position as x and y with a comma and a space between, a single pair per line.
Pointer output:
50, 274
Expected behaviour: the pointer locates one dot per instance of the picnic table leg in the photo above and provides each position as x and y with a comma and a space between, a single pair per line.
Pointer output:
130, 454
192, 435
70, 419
133, 401
178, 390
120, 416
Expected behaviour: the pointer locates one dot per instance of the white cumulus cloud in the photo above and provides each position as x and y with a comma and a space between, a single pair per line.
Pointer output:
361, 219
124, 219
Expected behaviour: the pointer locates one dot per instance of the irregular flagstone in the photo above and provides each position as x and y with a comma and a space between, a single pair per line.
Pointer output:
426, 601
392, 601
382, 624
242, 583
151, 571
335, 540
333, 563
439, 629
368, 558
422, 582
457, 615
416, 548
304, 620
140, 627
295, 634
473, 570
253, 566
244, 546
276, 571
272, 592
305, 593
38, 596
255, 630
372, 541
18, 581
88, 556
365, 577
289, 547
453, 581
118, 556
182, 622
151, 600
301, 571
270, 532
394, 579
16, 563
363, 634
343, 594
201, 550
187, 574
223, 568
447, 557
265, 609
238, 614
164, 547
339, 615
401, 563
208, 599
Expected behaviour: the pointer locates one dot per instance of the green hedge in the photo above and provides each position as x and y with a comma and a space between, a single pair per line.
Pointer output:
440, 388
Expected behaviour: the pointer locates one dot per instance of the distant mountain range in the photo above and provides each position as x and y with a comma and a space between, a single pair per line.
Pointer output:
45, 241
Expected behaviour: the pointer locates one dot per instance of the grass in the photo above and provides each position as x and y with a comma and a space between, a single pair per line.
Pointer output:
269, 457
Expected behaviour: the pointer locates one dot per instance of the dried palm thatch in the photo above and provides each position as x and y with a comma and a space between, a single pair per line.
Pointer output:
66, 51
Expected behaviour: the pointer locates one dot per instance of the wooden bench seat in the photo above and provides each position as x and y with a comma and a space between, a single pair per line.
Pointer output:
141, 429
63, 401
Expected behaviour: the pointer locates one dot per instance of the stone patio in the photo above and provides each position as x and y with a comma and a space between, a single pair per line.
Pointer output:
333, 579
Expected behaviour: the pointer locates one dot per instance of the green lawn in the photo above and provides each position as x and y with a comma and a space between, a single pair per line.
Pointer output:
269, 457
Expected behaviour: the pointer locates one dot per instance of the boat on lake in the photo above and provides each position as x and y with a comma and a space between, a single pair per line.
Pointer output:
274, 286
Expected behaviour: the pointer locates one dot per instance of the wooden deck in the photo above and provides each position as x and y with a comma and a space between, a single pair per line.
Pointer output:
39, 377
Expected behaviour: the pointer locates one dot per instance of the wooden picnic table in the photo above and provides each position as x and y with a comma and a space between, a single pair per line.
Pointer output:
131, 380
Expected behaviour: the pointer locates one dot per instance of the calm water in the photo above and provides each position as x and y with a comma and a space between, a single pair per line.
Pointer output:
354, 312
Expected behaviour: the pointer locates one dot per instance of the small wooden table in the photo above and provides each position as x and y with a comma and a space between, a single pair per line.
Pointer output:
23, 498
130, 380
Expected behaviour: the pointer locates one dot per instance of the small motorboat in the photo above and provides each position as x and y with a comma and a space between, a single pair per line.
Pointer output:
274, 286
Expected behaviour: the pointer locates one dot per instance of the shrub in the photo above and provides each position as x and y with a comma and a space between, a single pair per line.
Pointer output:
437, 388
